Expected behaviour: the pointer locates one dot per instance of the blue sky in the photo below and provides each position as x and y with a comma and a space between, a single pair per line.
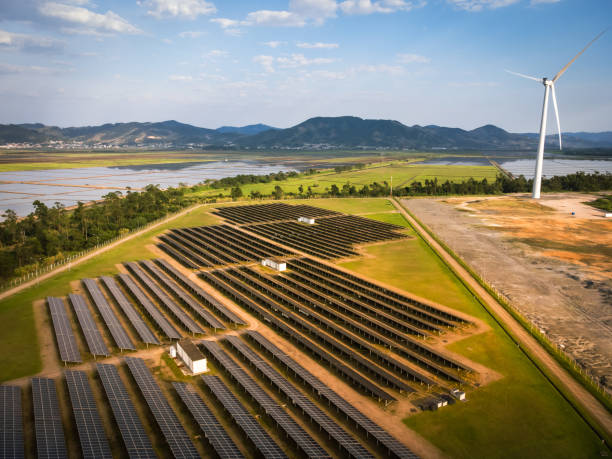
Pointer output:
213, 63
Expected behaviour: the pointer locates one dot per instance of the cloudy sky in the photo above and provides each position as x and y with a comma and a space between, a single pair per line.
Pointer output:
235, 62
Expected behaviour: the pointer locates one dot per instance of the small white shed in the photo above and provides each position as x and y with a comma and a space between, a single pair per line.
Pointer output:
307, 220
458, 394
274, 264
192, 356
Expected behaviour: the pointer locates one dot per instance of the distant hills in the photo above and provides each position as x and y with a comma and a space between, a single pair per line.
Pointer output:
315, 133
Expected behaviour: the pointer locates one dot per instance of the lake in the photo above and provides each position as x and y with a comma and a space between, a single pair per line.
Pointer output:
68, 186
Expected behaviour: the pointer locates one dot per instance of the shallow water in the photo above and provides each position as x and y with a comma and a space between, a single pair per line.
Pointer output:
68, 186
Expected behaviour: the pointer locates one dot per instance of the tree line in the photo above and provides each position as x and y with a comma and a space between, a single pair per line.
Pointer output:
51, 233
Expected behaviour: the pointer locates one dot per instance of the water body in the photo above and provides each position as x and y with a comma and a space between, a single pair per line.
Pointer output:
69, 186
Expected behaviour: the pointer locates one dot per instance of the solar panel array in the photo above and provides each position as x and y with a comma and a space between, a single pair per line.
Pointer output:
174, 433
166, 327
394, 447
179, 314
182, 295
135, 439
122, 340
50, 442
145, 333
346, 442
11, 423
213, 430
208, 299
66, 342
260, 438
89, 425
96, 344
301, 438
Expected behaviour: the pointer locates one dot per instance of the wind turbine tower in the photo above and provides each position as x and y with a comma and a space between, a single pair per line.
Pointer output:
549, 87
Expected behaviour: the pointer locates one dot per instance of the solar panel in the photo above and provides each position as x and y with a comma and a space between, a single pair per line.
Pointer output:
122, 340
347, 442
66, 342
11, 423
50, 442
143, 330
182, 295
200, 293
135, 439
96, 344
166, 327
285, 422
181, 316
89, 425
260, 438
174, 433
213, 430
396, 448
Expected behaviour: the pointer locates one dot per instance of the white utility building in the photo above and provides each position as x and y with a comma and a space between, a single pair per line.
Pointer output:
458, 394
274, 264
308, 220
192, 356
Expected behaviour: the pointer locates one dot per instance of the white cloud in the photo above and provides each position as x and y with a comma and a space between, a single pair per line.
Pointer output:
30, 43
317, 45
315, 10
275, 18
191, 34
479, 5
412, 59
180, 78
273, 44
187, 9
267, 62
379, 6
8, 69
380, 68
107, 22
216, 53
298, 60
538, 2
229, 26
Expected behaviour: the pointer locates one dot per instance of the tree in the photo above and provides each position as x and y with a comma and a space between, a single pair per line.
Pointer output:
278, 192
236, 193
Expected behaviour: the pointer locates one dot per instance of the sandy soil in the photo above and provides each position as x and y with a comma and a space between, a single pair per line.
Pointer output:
554, 267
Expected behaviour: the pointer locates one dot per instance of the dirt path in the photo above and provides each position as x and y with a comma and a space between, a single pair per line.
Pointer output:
106, 248
526, 340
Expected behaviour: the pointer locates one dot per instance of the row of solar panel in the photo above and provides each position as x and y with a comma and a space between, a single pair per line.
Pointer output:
176, 286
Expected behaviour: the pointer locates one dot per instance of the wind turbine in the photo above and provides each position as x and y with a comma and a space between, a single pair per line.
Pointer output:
549, 86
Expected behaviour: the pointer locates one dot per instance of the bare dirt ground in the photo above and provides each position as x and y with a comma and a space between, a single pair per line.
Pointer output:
553, 266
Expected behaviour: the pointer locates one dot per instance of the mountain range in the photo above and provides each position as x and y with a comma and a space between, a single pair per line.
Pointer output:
315, 133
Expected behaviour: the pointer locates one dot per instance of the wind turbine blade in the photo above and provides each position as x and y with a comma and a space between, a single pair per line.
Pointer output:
562, 71
554, 98
524, 76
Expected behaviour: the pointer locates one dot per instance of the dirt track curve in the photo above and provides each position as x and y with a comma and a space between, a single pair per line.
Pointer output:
590, 403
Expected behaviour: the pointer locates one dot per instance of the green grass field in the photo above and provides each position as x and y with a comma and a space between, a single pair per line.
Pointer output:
403, 173
520, 415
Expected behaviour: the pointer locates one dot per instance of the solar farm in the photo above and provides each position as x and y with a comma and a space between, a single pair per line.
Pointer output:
283, 344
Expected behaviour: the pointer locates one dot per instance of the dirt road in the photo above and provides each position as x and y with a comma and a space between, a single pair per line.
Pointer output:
67, 266
525, 339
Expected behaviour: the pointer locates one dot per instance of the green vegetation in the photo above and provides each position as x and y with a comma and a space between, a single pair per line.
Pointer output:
84, 162
603, 203
521, 413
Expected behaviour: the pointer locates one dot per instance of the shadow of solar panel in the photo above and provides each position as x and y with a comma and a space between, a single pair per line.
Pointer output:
172, 287
11, 423
208, 299
134, 437
179, 442
89, 425
96, 344
217, 436
393, 446
143, 330
66, 342
284, 421
260, 438
166, 327
344, 440
181, 316
122, 340
270, 212
50, 442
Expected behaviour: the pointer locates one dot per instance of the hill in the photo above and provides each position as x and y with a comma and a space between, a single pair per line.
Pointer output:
251, 129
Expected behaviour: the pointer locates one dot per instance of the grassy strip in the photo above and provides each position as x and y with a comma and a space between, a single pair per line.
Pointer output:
560, 357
